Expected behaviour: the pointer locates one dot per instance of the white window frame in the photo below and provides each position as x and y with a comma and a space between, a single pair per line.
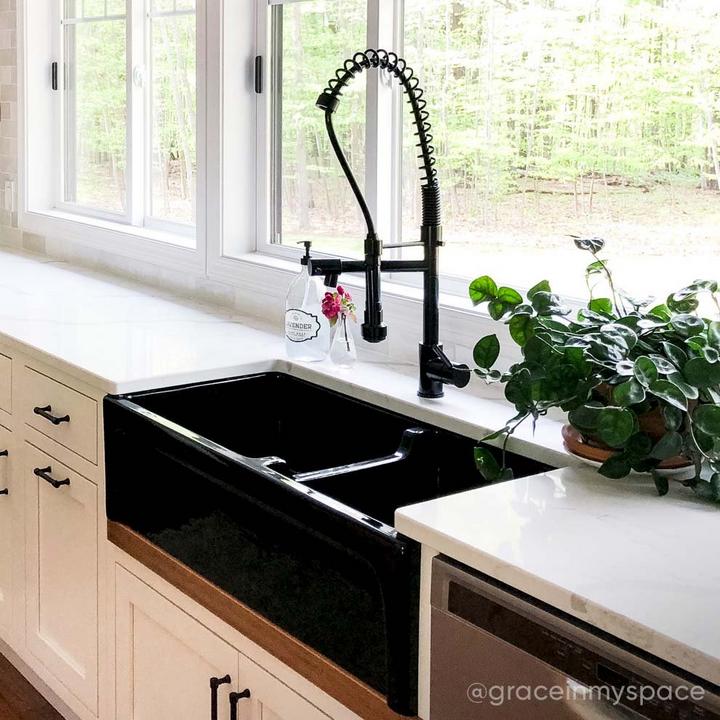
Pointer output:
231, 171
40, 127
383, 30
385, 106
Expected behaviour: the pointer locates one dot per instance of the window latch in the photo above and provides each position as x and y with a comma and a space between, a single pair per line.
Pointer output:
138, 76
258, 74
54, 75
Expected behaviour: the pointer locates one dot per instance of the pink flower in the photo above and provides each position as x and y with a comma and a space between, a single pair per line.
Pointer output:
338, 304
331, 306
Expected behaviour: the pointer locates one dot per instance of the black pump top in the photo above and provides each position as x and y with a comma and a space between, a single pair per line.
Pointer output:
306, 257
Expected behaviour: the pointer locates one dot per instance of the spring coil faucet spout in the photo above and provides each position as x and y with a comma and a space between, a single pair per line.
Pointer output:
436, 369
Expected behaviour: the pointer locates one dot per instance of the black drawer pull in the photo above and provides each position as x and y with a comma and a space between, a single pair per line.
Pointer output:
214, 685
235, 699
4, 453
44, 473
47, 414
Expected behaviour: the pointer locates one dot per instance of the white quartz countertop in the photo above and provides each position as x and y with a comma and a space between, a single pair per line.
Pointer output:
121, 337
609, 552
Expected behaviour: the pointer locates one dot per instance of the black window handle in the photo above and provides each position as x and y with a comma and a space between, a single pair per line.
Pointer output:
46, 412
235, 699
44, 473
215, 683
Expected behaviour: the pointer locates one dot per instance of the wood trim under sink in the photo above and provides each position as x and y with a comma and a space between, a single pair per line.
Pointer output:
329, 677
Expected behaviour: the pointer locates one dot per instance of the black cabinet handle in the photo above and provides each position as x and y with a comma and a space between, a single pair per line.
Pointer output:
44, 473
4, 453
235, 699
47, 414
215, 683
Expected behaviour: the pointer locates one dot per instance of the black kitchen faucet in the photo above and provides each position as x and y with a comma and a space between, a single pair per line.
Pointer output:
436, 369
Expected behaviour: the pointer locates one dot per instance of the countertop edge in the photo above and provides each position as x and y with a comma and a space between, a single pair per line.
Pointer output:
674, 652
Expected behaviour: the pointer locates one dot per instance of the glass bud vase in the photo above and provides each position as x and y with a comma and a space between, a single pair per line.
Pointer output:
342, 350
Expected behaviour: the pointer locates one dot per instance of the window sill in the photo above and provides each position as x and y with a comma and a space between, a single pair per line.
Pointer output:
355, 281
145, 244
262, 280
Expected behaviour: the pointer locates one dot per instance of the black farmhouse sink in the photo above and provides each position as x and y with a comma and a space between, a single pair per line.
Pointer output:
283, 494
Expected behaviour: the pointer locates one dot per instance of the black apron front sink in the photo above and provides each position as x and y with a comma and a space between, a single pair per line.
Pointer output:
282, 493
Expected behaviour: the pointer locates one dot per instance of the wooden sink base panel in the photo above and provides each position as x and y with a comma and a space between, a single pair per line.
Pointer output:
314, 667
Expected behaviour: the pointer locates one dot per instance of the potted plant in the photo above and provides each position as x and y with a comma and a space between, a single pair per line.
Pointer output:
640, 382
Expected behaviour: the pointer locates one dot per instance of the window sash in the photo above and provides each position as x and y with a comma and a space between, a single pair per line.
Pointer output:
383, 127
380, 32
138, 190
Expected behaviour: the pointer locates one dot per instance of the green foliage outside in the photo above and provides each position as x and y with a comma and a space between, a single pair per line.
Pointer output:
97, 115
544, 111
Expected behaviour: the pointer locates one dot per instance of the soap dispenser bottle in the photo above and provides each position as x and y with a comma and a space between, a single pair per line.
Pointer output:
307, 330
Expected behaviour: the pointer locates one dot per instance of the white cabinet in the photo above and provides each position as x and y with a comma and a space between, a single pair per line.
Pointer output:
60, 412
271, 699
9, 499
165, 661
62, 573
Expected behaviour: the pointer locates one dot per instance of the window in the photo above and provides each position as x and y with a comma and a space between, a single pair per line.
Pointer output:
550, 117
129, 112
312, 200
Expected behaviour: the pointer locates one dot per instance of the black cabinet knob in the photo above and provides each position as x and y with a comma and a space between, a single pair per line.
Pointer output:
46, 412
44, 473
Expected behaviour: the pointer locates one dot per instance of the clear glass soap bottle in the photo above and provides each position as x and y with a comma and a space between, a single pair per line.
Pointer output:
307, 330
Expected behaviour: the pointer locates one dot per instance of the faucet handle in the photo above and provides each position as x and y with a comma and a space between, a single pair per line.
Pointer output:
436, 370
460, 375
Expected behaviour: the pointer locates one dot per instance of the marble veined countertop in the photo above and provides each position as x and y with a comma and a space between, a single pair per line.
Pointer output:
123, 337
609, 552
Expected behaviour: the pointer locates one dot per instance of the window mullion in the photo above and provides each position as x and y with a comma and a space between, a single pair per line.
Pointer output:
138, 87
379, 122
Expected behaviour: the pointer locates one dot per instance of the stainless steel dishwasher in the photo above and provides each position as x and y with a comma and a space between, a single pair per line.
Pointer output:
500, 655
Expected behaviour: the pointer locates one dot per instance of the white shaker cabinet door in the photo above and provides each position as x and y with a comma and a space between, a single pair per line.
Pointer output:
165, 659
271, 699
62, 573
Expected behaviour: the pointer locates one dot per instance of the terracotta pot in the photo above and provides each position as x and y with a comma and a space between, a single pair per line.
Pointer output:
596, 451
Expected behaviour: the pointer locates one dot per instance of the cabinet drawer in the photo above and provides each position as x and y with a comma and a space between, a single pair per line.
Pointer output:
61, 413
62, 573
5, 383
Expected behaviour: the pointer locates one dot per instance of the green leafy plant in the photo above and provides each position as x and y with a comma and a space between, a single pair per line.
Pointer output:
620, 368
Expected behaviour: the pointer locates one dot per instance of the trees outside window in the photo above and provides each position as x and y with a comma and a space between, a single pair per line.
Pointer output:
129, 111
550, 118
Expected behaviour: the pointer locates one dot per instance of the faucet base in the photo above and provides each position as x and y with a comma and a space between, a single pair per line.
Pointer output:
437, 370
435, 392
